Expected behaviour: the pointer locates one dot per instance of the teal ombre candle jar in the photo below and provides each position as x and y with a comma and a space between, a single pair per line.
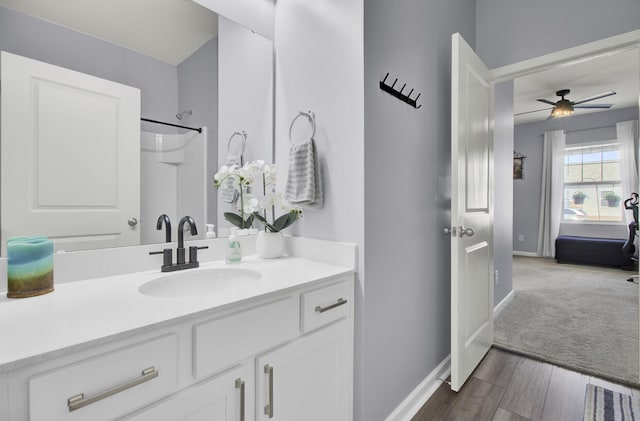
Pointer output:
29, 266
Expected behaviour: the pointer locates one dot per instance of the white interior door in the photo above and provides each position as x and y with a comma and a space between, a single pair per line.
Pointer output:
471, 211
70, 165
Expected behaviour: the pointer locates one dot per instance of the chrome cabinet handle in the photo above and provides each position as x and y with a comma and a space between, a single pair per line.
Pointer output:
449, 231
80, 401
340, 302
240, 385
466, 231
268, 408
132, 222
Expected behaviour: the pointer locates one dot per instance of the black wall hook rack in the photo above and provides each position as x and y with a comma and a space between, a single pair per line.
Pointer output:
398, 94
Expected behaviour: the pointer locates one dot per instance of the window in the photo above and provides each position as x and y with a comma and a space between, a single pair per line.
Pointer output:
592, 186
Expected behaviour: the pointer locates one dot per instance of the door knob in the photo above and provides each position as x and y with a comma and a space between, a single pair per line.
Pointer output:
132, 222
466, 231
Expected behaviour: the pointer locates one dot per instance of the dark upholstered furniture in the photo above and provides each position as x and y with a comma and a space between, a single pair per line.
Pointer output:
592, 251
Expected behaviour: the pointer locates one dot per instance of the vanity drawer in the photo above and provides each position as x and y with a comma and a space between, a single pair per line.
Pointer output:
107, 386
325, 305
222, 342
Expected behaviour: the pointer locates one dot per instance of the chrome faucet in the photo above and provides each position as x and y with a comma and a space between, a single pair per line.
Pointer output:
167, 264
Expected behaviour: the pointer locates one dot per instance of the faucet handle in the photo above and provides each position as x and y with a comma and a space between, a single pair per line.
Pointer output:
167, 256
193, 253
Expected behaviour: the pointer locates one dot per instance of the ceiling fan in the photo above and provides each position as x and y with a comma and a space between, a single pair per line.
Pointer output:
565, 107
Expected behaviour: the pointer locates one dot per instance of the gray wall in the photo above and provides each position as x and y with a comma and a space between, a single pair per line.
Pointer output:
503, 193
513, 30
526, 193
44, 41
198, 91
407, 196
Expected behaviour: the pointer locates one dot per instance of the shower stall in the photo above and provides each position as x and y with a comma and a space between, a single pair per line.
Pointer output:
173, 180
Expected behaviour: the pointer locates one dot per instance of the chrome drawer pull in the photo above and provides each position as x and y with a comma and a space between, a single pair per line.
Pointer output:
240, 385
79, 401
340, 302
268, 408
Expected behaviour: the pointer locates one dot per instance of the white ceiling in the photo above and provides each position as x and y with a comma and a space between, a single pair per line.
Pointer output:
168, 30
619, 72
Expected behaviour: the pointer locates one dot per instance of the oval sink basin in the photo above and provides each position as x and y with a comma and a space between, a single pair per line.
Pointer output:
196, 282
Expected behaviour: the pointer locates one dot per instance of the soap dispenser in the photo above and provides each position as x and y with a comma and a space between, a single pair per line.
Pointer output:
234, 252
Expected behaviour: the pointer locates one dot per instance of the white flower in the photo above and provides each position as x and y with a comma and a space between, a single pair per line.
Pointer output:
249, 172
249, 205
224, 172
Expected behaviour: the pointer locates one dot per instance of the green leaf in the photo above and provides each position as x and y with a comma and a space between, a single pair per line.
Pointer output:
259, 217
233, 218
285, 221
264, 221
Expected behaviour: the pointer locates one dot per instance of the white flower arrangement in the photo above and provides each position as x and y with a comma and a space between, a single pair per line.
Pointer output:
249, 205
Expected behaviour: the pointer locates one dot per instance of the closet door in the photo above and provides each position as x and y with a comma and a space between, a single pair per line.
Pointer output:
70, 146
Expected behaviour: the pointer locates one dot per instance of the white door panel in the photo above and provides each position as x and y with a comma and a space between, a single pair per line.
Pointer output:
70, 156
471, 212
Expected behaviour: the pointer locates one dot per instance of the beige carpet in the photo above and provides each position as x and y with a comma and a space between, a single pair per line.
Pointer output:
580, 317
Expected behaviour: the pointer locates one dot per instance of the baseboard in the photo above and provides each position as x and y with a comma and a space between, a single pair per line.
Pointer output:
525, 253
502, 304
410, 406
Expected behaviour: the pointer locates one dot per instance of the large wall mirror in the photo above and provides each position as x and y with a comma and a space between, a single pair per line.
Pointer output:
193, 67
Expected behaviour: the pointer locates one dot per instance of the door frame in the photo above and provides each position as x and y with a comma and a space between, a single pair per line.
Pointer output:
567, 57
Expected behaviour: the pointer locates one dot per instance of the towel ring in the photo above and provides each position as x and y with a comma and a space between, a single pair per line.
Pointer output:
312, 119
243, 136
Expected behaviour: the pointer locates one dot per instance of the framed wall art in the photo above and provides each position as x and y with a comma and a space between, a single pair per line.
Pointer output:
518, 165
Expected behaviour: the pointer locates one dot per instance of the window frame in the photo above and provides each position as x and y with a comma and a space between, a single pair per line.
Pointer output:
583, 145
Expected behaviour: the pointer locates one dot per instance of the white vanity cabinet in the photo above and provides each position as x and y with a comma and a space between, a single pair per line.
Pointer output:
285, 356
222, 398
308, 379
106, 386
4, 398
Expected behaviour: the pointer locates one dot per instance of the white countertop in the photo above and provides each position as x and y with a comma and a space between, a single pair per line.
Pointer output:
83, 313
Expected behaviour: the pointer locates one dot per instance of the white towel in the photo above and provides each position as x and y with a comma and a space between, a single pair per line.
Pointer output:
304, 181
227, 191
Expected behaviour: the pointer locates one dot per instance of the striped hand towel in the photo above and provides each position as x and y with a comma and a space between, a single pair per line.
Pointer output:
304, 182
227, 191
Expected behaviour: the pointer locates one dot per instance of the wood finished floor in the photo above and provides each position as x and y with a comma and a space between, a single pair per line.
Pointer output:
509, 387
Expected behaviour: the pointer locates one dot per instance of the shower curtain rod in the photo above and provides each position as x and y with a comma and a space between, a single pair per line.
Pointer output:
148, 120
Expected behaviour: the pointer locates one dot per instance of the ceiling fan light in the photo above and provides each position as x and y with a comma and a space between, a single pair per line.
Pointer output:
563, 108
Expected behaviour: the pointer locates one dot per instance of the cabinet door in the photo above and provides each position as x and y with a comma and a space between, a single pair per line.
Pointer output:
308, 379
223, 398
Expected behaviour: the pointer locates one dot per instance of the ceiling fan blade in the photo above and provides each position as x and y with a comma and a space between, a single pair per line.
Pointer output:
546, 101
534, 111
594, 97
593, 106
550, 117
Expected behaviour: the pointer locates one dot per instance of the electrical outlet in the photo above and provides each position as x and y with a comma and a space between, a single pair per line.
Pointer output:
521, 237
496, 277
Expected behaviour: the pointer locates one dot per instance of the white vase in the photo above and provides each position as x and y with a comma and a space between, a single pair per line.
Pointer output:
270, 245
